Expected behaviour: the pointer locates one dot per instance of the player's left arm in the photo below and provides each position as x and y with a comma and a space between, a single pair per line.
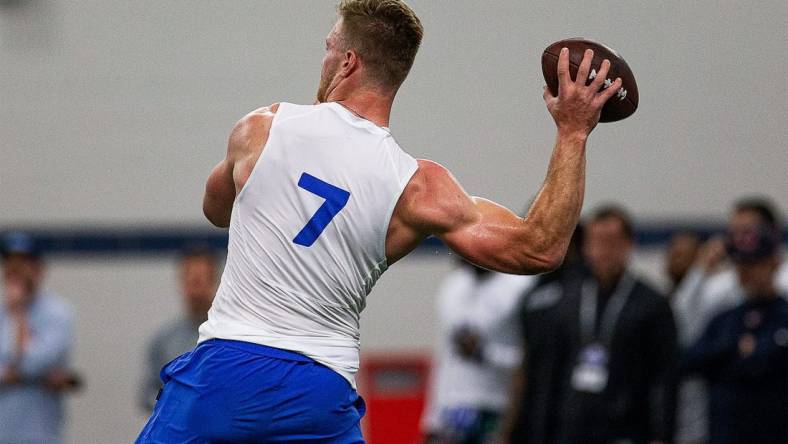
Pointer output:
488, 234
481, 231
228, 177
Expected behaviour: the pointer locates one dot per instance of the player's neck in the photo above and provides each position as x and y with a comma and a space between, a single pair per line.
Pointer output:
366, 104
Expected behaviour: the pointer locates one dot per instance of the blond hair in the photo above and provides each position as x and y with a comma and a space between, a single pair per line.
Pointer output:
386, 35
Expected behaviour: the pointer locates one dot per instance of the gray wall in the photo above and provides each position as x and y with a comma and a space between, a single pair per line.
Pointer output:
112, 113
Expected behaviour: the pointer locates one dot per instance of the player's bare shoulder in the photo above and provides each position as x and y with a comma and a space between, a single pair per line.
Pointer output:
432, 203
247, 142
434, 197
251, 132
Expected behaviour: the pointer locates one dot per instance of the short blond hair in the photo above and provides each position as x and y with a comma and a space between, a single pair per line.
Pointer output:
386, 34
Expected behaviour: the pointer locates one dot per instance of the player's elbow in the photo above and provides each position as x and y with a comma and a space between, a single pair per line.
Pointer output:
218, 222
542, 251
524, 260
548, 263
214, 216
538, 263
217, 203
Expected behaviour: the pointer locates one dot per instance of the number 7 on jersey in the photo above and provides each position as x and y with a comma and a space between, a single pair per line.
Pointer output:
336, 199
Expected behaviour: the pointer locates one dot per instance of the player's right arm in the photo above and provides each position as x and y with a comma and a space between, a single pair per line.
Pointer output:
229, 176
220, 193
489, 235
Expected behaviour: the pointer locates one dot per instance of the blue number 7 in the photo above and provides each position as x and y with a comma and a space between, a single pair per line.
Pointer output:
336, 199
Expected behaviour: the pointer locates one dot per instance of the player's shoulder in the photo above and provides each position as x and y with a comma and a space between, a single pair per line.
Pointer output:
430, 176
433, 197
256, 120
251, 130
431, 168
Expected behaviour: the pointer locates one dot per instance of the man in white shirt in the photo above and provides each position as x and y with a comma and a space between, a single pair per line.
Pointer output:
479, 347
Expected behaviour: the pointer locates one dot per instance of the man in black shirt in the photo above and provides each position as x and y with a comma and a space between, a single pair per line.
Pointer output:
743, 353
682, 252
600, 350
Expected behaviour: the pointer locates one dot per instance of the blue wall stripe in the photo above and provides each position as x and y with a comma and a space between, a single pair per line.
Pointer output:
169, 239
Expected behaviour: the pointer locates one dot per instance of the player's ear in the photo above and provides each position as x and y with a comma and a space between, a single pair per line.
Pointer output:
350, 63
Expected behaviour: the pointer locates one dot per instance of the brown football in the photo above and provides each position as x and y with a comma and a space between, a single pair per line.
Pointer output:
621, 105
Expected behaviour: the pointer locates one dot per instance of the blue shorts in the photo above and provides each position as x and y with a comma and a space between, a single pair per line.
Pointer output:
238, 392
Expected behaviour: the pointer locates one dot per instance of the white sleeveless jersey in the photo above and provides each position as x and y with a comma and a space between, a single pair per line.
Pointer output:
308, 233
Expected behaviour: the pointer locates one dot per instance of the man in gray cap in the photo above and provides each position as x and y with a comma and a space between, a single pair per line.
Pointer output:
35, 340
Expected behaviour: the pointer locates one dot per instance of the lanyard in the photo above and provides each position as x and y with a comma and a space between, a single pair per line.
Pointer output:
588, 310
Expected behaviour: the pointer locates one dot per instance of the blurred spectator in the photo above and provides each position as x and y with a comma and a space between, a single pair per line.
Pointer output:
743, 352
600, 351
36, 335
197, 275
710, 287
682, 251
478, 351
691, 414
533, 414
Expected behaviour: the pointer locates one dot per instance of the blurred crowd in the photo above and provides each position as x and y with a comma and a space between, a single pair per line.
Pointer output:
595, 354
591, 353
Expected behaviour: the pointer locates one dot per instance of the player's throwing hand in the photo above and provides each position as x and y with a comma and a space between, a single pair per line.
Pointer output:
577, 106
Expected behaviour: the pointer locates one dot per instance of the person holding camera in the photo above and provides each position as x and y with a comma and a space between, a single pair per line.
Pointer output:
742, 353
711, 287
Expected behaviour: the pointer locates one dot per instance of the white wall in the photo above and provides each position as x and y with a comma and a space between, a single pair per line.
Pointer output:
114, 111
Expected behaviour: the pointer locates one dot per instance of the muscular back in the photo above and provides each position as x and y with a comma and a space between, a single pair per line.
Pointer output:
307, 232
